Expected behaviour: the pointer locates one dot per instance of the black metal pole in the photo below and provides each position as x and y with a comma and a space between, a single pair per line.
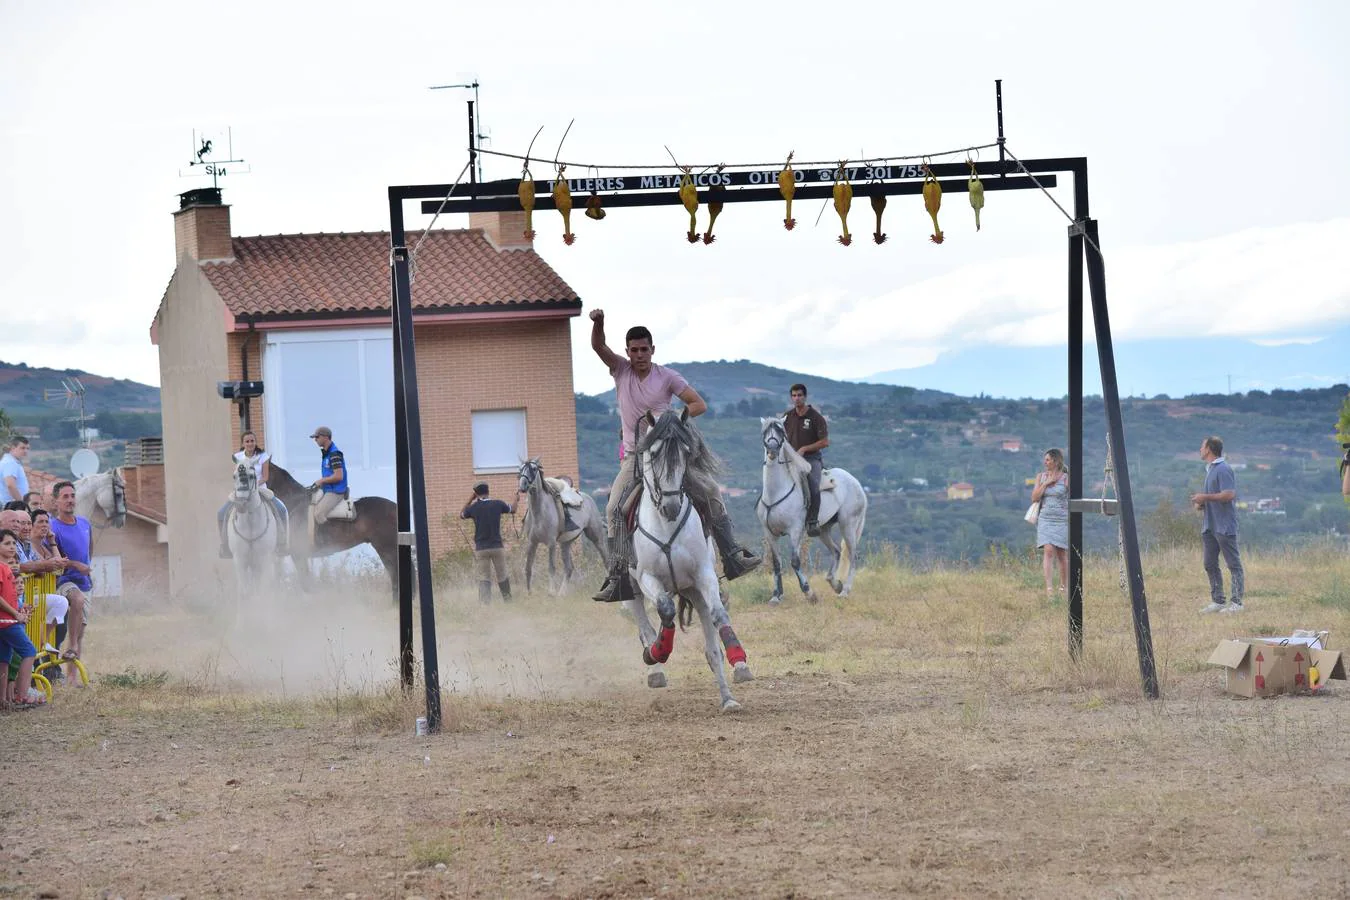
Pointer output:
405, 569
1075, 586
473, 147
1143, 637
998, 102
403, 330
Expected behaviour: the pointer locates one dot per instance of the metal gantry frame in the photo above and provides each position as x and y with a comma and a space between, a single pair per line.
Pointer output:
500, 196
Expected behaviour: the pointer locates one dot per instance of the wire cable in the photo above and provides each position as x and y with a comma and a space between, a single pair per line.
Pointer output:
412, 257
1036, 181
832, 163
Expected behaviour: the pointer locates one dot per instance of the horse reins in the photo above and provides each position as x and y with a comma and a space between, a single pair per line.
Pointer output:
664, 546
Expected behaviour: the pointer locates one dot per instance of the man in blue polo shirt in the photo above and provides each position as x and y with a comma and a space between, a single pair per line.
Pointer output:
1220, 529
75, 538
13, 479
333, 474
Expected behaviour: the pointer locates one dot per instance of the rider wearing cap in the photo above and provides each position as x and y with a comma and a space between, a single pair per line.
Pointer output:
333, 475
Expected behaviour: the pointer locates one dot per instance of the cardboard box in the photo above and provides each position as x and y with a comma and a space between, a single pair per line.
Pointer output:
1269, 666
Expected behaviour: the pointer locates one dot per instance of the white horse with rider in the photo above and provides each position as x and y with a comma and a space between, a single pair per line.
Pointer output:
673, 555
260, 461
253, 532
782, 511
556, 516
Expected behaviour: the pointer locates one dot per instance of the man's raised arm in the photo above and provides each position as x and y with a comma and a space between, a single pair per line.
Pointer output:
696, 405
607, 356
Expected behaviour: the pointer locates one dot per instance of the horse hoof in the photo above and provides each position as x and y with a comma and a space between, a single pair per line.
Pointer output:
811, 597
731, 706
656, 679
775, 600
838, 586
740, 673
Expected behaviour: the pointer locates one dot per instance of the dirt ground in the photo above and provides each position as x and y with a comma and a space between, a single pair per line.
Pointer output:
924, 737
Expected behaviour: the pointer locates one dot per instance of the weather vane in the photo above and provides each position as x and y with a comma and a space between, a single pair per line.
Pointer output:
203, 148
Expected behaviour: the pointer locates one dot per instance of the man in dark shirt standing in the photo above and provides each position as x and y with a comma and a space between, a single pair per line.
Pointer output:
488, 553
808, 434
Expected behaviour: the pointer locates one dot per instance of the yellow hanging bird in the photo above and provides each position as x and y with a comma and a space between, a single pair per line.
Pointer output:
689, 197
787, 186
843, 199
562, 200
976, 189
932, 201
525, 191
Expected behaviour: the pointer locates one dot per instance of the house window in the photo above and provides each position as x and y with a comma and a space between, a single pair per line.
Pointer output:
498, 440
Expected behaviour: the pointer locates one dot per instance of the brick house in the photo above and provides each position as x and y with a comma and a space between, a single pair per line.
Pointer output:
308, 314
132, 561
961, 490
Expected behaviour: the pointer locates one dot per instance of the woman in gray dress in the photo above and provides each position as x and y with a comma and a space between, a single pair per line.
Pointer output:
1052, 525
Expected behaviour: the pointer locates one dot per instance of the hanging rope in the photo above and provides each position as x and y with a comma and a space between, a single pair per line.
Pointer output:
1038, 184
412, 257
831, 163
1109, 481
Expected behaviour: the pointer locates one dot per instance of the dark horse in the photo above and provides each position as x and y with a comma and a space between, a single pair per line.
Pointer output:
376, 524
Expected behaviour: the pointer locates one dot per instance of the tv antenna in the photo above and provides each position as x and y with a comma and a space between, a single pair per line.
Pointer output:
206, 150
71, 393
477, 136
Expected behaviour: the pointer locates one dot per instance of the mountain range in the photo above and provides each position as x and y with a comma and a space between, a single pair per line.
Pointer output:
1173, 367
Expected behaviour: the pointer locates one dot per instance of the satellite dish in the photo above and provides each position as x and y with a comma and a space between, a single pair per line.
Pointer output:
84, 462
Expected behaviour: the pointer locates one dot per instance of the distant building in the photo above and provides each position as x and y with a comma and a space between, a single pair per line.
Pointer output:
919, 482
308, 314
1011, 445
961, 491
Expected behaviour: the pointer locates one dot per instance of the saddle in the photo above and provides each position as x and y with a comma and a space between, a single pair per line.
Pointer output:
569, 495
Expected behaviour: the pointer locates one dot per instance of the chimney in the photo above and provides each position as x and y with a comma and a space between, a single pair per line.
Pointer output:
505, 230
201, 227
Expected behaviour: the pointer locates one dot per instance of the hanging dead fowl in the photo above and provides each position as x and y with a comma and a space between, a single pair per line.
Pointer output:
932, 201
525, 191
843, 201
593, 208
787, 186
716, 198
689, 197
976, 189
876, 189
562, 201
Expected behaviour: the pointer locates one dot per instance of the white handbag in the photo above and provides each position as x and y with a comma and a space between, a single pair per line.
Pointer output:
1033, 513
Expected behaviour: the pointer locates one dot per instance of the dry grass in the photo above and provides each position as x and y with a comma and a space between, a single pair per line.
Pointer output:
928, 735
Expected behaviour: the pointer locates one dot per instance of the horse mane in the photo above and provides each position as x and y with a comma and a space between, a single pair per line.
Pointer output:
673, 431
284, 485
798, 462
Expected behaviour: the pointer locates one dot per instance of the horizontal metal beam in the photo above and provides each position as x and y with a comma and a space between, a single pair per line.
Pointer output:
671, 197
908, 170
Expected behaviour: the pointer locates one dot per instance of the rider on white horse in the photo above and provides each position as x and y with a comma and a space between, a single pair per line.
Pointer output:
808, 434
643, 388
250, 454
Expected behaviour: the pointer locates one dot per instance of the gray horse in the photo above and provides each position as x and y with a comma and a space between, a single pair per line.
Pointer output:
548, 522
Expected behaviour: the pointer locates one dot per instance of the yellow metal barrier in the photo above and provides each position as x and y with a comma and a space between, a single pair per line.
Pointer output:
43, 633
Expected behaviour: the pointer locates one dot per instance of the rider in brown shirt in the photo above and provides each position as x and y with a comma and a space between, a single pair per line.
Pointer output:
808, 434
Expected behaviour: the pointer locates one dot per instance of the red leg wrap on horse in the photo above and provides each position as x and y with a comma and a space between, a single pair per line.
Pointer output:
735, 652
660, 650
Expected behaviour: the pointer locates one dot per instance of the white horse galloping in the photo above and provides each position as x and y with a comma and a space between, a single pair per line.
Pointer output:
546, 524
252, 530
673, 556
782, 511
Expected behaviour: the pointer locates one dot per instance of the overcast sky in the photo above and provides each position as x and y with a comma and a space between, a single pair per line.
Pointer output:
1214, 132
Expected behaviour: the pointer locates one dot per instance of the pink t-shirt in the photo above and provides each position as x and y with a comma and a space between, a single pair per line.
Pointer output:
637, 396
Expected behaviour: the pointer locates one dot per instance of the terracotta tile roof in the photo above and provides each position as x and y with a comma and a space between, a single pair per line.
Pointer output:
296, 274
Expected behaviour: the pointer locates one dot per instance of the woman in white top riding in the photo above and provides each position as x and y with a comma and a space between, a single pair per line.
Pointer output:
252, 455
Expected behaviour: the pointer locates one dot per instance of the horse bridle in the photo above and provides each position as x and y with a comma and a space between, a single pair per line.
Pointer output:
536, 473
238, 504
655, 487
771, 432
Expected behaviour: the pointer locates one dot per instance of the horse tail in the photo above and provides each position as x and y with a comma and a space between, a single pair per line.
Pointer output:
685, 613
